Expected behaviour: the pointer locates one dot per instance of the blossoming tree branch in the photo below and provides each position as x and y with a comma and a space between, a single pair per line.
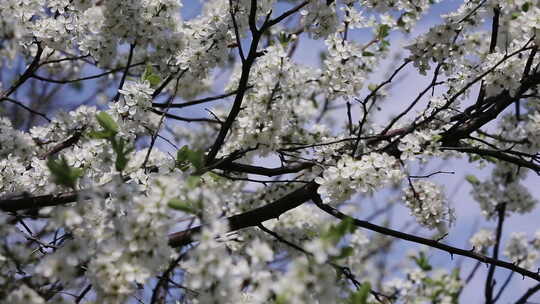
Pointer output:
155, 152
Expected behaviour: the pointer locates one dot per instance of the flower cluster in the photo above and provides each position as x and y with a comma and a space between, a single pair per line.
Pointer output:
25, 295
118, 235
349, 176
278, 105
217, 277
426, 201
506, 77
320, 18
519, 251
437, 45
483, 239
409, 11
422, 286
313, 282
14, 142
420, 142
207, 43
503, 188
135, 107
347, 66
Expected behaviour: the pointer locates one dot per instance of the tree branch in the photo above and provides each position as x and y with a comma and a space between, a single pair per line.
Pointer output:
36, 202
490, 283
253, 217
428, 242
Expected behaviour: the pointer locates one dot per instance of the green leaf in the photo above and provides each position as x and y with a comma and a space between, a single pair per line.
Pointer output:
194, 157
336, 232
284, 38
346, 251
436, 138
121, 162
422, 261
62, 173
120, 148
525, 6
383, 30
472, 179
281, 299
149, 75
181, 205
367, 54
384, 45
193, 181
110, 127
361, 296
107, 122
182, 157
100, 134
213, 176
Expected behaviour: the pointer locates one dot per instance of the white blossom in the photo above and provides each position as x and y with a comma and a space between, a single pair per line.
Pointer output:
426, 201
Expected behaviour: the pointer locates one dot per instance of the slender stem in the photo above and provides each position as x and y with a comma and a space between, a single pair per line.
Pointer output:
490, 283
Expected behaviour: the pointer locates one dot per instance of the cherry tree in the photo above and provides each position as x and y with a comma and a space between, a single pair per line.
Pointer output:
148, 156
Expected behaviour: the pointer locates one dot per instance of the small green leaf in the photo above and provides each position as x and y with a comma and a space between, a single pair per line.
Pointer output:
284, 38
149, 75
281, 299
336, 232
367, 54
193, 181
213, 176
120, 148
383, 30
525, 6
361, 296
384, 45
194, 157
345, 252
181, 205
472, 179
436, 138
182, 157
100, 134
121, 162
422, 261
107, 122
62, 173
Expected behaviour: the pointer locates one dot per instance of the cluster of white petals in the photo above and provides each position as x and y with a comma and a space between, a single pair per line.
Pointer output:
518, 250
365, 175
278, 104
482, 239
427, 202
135, 106
505, 187
423, 287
